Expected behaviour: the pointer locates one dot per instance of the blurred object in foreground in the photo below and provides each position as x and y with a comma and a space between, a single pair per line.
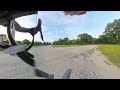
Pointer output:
74, 12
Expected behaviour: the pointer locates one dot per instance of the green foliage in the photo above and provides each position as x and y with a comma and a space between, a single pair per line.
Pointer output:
46, 43
102, 39
37, 43
26, 42
85, 38
112, 32
82, 39
19, 42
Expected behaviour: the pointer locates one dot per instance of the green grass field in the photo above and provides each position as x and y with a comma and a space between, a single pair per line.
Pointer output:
112, 52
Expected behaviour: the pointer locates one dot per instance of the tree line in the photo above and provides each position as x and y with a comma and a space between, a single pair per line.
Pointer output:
81, 39
111, 35
3, 38
36, 43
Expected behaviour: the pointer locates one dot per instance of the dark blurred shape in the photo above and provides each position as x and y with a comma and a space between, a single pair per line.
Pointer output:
43, 74
6, 16
74, 12
67, 74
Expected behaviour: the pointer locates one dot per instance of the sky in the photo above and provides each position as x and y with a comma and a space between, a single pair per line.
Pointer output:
56, 25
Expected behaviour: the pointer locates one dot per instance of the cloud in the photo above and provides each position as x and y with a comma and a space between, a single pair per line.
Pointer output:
56, 22
28, 21
21, 36
18, 35
3, 30
72, 32
59, 18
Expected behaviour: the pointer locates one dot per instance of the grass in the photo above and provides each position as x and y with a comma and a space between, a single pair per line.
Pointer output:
66, 45
39, 46
112, 52
36, 46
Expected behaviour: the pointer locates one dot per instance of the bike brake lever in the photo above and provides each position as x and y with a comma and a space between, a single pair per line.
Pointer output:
67, 74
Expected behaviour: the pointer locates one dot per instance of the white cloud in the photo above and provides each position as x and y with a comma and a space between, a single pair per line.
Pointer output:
95, 32
3, 30
72, 32
22, 36
28, 21
59, 18
18, 35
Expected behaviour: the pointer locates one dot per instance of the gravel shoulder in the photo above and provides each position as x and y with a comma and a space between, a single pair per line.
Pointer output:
107, 69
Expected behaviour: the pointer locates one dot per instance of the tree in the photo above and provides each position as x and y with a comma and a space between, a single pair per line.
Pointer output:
102, 39
112, 32
85, 38
60, 42
36, 43
94, 41
55, 43
44, 43
48, 43
26, 42
69, 42
19, 42
65, 41
40, 43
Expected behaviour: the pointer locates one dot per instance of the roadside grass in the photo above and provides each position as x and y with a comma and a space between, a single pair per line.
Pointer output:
67, 45
39, 46
36, 46
112, 52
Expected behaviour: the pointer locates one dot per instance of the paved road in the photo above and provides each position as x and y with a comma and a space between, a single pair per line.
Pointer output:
52, 60
58, 60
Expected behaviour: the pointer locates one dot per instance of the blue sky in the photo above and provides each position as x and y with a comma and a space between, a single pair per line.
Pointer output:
55, 24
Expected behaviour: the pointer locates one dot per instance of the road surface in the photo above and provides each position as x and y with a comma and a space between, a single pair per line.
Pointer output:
86, 62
